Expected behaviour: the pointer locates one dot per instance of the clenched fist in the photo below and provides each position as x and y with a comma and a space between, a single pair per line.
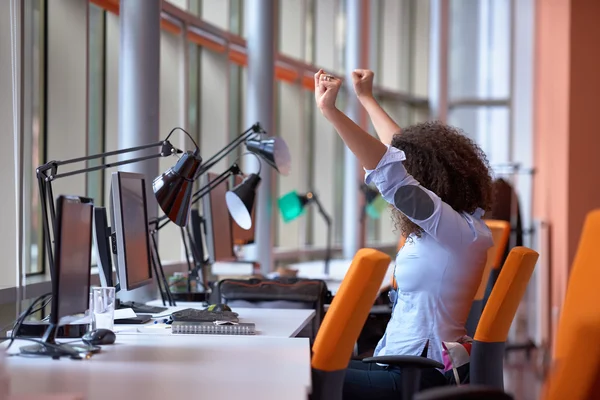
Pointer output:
363, 82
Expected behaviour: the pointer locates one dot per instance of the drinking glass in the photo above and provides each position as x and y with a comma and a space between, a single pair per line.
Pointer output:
102, 308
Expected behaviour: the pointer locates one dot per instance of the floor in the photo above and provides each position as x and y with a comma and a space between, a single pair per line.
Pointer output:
523, 378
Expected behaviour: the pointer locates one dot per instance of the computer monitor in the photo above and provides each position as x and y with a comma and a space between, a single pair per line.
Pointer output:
219, 239
242, 236
197, 227
130, 228
71, 279
102, 240
73, 251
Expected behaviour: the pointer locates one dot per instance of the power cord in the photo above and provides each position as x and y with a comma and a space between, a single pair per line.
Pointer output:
21, 318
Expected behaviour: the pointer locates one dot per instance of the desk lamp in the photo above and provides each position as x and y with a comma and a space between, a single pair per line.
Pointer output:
292, 205
172, 189
240, 202
374, 203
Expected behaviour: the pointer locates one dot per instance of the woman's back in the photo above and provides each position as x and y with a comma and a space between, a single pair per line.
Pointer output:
436, 286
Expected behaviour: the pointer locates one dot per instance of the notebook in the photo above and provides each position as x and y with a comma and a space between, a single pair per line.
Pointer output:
213, 328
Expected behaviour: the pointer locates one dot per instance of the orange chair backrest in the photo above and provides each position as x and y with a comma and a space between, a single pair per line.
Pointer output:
583, 294
500, 234
577, 375
349, 310
504, 300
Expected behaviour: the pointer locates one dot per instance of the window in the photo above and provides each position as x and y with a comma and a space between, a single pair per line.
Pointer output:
34, 130
96, 136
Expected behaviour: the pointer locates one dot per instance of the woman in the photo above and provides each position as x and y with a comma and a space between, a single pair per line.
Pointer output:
438, 182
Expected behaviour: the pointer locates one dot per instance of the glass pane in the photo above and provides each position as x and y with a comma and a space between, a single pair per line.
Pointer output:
96, 62
309, 112
34, 149
340, 35
309, 33
396, 48
236, 22
489, 127
479, 49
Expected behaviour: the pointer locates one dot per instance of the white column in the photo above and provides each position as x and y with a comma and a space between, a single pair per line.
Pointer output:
139, 84
139, 80
356, 26
260, 26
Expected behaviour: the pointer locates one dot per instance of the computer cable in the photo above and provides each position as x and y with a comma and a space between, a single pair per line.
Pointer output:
74, 355
19, 321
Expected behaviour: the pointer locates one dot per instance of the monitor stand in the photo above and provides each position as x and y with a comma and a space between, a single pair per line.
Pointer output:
48, 347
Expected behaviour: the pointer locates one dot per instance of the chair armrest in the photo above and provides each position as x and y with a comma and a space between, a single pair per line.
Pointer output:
405, 361
465, 392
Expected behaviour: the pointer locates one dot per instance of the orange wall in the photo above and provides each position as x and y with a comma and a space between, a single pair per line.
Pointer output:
567, 144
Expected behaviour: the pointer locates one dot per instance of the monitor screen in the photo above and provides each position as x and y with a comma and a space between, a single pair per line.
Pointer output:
73, 250
242, 236
131, 229
219, 239
103, 246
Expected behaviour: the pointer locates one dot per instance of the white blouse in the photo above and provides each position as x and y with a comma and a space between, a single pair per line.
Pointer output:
437, 274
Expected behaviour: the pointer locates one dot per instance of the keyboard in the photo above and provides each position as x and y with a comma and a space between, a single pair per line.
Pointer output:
193, 315
141, 308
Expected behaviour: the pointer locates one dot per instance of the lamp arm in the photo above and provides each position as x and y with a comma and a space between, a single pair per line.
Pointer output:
233, 170
254, 129
329, 223
49, 172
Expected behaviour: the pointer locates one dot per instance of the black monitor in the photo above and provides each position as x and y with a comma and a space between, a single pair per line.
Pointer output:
219, 239
131, 230
71, 279
102, 240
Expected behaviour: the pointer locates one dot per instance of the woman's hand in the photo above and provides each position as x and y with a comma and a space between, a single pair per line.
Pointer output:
363, 83
326, 91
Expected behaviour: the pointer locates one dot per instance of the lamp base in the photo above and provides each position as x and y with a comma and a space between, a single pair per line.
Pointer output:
196, 297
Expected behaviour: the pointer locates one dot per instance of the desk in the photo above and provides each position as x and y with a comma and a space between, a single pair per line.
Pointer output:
270, 322
337, 272
149, 367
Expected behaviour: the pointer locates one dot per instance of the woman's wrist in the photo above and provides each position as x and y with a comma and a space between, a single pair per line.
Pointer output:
330, 112
367, 100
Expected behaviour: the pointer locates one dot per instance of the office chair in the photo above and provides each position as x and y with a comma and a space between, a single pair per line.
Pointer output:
487, 352
576, 371
344, 321
500, 234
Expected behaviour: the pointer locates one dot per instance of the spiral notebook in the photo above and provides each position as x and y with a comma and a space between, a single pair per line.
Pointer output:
212, 328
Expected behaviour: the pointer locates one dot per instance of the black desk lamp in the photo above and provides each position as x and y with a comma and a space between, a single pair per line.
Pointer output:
292, 205
240, 201
172, 189
273, 150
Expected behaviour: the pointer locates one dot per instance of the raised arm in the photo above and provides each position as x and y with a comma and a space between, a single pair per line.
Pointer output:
365, 147
385, 169
384, 125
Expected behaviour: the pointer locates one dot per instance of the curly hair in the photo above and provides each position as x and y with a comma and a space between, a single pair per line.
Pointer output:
444, 160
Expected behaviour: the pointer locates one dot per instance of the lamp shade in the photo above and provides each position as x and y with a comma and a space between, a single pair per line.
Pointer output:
174, 188
240, 201
291, 206
274, 151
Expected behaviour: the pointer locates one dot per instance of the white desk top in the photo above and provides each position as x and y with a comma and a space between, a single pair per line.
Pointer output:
157, 367
337, 272
269, 322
